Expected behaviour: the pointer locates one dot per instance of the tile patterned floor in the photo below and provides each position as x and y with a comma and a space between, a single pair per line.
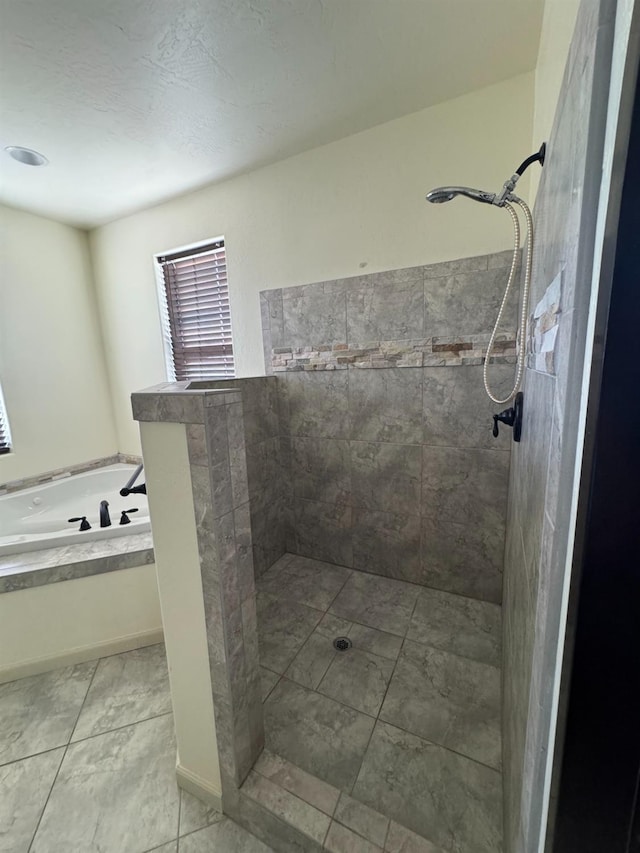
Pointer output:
406, 720
87, 764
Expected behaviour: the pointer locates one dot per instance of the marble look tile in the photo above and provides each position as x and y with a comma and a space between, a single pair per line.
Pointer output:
456, 409
268, 681
385, 312
386, 405
318, 403
465, 484
315, 319
463, 558
39, 712
358, 679
402, 840
386, 543
378, 602
320, 469
24, 788
332, 626
457, 265
386, 476
467, 303
298, 782
317, 734
170, 847
312, 661
343, 840
454, 802
323, 531
311, 582
194, 814
225, 836
457, 624
374, 641
126, 688
283, 628
287, 806
447, 699
114, 792
361, 819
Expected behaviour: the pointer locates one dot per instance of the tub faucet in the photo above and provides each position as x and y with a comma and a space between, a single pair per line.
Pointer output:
105, 519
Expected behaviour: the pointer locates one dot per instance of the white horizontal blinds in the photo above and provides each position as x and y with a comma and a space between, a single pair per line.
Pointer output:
5, 438
197, 298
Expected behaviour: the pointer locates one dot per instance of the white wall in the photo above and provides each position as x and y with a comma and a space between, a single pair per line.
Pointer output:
352, 206
52, 365
77, 620
558, 23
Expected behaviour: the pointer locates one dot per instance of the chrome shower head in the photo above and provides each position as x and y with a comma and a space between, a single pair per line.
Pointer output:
442, 194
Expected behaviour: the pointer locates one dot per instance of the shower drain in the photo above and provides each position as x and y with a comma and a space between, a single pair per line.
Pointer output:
342, 644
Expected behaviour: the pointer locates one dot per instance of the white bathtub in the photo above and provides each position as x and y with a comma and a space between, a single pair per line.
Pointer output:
36, 518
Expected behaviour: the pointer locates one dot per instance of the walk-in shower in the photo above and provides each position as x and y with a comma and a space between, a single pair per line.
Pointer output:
505, 199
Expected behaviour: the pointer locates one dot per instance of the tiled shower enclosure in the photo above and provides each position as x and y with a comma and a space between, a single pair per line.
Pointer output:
358, 492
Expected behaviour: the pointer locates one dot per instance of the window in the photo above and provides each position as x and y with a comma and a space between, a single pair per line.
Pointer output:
194, 304
5, 435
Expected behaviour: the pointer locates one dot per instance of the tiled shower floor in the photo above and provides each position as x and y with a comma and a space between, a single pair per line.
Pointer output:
407, 721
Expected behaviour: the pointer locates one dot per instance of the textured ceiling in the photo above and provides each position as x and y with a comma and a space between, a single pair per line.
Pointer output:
135, 101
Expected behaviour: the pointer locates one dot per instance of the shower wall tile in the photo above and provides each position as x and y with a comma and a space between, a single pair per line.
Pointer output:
465, 484
386, 544
320, 469
385, 312
386, 476
467, 304
323, 531
456, 409
318, 404
315, 319
463, 558
386, 405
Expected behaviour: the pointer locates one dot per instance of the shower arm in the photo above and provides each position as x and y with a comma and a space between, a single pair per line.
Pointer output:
506, 193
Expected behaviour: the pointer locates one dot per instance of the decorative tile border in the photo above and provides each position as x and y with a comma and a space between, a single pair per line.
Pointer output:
427, 352
62, 473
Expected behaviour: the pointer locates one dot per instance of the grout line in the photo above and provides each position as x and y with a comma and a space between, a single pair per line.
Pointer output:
64, 755
119, 728
33, 755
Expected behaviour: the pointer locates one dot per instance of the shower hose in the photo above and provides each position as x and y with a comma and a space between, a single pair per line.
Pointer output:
524, 315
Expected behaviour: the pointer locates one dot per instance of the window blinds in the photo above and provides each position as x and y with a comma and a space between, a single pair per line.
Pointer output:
198, 312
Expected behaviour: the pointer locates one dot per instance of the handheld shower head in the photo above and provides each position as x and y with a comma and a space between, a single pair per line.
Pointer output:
442, 194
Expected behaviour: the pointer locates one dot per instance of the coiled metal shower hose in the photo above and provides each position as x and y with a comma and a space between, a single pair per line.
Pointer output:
524, 316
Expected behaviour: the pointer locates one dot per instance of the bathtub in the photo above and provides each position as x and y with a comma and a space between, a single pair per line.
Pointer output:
36, 518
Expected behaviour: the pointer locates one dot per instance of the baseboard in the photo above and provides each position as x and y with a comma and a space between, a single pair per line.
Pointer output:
199, 787
80, 654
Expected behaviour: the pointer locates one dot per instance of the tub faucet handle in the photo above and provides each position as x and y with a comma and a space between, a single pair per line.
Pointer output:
84, 524
124, 518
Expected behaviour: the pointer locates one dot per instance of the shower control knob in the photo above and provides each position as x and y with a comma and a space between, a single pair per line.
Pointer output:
511, 417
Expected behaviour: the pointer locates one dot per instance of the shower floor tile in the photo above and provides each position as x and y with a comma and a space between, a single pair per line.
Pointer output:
316, 733
450, 700
406, 721
450, 800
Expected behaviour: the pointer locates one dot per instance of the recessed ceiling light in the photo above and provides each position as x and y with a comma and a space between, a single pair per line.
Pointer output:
26, 155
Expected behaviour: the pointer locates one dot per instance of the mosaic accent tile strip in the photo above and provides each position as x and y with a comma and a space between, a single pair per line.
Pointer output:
543, 329
423, 352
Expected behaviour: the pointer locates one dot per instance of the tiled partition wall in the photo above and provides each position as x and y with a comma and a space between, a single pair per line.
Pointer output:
388, 430
543, 464
266, 476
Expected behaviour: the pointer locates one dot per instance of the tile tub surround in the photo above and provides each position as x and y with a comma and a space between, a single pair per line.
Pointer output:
339, 716
62, 473
54, 565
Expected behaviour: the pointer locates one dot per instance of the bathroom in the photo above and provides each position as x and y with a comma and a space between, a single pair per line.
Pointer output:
348, 434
